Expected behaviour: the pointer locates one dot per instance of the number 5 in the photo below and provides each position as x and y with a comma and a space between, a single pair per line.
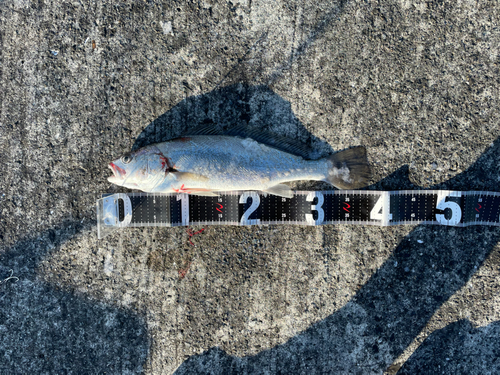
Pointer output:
456, 211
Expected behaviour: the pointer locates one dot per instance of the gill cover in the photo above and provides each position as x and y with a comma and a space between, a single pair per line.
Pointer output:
143, 169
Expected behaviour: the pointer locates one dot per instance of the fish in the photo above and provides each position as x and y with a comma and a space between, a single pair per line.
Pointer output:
205, 164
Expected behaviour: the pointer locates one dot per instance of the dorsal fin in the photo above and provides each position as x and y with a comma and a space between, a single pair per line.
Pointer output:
279, 142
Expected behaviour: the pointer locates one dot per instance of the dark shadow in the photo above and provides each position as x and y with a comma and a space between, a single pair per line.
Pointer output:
389, 311
397, 180
47, 330
459, 348
366, 335
255, 106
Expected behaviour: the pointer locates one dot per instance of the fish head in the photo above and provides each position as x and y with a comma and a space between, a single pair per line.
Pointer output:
142, 169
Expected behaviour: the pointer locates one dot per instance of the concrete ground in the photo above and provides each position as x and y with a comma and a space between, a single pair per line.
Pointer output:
83, 82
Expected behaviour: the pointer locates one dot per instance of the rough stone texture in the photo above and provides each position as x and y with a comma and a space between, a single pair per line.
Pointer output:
81, 82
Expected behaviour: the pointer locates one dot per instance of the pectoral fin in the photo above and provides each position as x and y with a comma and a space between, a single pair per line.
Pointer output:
186, 177
280, 190
192, 179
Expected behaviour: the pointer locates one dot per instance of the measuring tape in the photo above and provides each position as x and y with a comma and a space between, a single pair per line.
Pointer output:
383, 208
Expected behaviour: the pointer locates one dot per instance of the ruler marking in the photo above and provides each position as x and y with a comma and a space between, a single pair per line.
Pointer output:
366, 207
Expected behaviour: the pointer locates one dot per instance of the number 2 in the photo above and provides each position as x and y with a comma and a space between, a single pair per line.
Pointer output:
255, 204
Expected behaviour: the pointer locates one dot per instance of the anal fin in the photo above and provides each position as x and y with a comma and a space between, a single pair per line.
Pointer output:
280, 190
203, 193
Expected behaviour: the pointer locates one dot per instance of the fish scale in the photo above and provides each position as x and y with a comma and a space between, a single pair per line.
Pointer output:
234, 161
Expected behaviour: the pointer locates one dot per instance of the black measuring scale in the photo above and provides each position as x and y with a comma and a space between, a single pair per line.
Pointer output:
363, 207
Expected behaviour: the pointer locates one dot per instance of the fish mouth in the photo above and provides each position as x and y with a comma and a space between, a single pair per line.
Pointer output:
118, 173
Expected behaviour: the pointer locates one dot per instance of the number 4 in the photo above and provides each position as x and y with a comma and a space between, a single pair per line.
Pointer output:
381, 209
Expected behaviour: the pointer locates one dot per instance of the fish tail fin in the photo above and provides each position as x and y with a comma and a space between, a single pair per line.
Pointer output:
349, 169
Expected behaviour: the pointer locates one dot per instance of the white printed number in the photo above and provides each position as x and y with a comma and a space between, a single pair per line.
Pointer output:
315, 207
255, 203
184, 208
379, 211
442, 204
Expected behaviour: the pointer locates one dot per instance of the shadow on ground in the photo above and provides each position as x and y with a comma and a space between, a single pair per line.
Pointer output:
458, 349
390, 310
45, 329
255, 107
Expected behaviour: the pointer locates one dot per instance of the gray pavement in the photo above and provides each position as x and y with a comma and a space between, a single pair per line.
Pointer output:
82, 82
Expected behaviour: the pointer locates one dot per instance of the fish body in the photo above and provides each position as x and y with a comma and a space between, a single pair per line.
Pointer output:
206, 164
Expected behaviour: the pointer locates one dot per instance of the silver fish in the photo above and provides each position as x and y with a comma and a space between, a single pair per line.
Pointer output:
206, 164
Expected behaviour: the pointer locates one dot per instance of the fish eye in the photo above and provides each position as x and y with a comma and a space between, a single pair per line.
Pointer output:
126, 159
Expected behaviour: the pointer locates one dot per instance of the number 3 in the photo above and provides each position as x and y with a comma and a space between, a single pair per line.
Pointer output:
315, 207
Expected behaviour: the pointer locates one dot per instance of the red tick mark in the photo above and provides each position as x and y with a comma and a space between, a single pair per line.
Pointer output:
347, 206
191, 234
479, 207
183, 271
220, 207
